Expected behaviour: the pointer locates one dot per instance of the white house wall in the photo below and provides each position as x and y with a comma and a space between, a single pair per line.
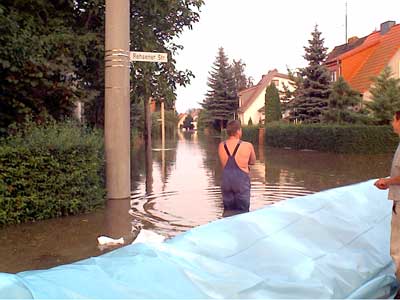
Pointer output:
253, 110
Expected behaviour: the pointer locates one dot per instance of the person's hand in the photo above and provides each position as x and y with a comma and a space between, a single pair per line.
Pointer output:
381, 184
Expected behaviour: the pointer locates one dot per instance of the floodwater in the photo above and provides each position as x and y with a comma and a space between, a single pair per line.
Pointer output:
180, 190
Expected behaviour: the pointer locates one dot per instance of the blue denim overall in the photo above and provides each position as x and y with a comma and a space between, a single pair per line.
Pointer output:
235, 184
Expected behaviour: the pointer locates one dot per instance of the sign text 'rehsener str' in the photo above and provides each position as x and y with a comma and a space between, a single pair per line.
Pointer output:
148, 56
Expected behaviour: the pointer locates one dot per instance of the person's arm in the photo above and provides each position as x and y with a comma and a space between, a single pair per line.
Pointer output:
252, 159
384, 183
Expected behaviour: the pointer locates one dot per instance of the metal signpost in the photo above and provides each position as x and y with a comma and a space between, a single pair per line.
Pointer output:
150, 57
153, 57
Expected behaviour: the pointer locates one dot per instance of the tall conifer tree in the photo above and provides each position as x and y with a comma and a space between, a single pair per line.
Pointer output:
221, 100
312, 97
272, 104
241, 81
385, 97
341, 101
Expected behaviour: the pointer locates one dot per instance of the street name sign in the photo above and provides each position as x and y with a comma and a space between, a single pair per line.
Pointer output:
148, 56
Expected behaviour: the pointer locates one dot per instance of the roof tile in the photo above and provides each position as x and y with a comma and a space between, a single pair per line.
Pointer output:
362, 63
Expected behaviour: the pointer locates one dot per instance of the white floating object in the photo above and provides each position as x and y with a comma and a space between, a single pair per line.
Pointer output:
162, 149
105, 240
148, 237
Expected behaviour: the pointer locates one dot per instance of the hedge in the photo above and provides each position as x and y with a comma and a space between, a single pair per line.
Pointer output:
250, 133
50, 171
332, 138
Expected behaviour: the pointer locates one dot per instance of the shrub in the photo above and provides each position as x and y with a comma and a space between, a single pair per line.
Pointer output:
250, 134
50, 171
332, 138
272, 106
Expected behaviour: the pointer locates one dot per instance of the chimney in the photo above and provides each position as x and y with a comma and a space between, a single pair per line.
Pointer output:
385, 27
352, 39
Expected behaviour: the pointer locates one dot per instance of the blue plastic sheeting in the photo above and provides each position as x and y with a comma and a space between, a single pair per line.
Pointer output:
333, 244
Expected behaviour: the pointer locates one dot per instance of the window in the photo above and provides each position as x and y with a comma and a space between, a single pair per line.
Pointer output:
333, 76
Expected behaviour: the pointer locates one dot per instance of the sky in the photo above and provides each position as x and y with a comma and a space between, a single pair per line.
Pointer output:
269, 34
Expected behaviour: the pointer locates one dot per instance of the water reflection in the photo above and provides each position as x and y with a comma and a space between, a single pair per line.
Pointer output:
175, 187
318, 171
118, 221
148, 157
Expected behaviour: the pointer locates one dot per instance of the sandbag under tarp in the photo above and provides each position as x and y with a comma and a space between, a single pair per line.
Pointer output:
332, 244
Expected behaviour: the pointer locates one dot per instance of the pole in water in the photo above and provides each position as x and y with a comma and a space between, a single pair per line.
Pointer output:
345, 23
162, 125
148, 147
117, 102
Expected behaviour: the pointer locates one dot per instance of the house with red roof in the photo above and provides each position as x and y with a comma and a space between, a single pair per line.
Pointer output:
360, 59
251, 100
182, 116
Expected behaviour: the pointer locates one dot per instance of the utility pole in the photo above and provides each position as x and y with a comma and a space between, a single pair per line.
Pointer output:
148, 57
147, 120
162, 143
345, 23
162, 125
147, 145
117, 102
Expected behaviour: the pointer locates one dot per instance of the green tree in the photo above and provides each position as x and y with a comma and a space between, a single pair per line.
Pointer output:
341, 103
241, 81
290, 92
272, 104
52, 55
43, 54
187, 123
240, 78
203, 120
385, 97
312, 95
250, 81
170, 122
221, 101
155, 25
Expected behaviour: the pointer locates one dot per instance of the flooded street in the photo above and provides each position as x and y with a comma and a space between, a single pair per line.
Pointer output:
180, 191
